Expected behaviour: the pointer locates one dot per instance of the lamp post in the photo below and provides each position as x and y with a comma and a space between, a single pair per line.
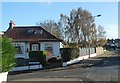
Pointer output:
89, 32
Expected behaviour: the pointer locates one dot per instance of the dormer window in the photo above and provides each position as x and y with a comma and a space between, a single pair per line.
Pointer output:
38, 32
41, 31
30, 31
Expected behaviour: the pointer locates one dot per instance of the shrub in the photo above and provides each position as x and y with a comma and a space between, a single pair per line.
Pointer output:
69, 53
21, 61
8, 54
38, 56
54, 60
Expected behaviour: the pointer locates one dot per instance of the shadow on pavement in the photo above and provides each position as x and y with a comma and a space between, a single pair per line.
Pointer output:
111, 61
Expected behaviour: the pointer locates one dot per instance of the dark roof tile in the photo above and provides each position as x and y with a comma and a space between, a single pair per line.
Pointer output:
30, 33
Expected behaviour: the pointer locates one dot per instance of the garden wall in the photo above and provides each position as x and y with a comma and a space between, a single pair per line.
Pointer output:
99, 50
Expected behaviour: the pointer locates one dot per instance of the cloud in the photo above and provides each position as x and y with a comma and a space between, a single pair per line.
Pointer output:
111, 31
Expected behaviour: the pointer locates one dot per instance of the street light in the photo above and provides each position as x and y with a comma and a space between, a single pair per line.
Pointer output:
97, 15
89, 34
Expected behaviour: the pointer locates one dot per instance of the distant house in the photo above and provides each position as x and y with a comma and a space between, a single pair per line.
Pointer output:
113, 44
32, 38
117, 42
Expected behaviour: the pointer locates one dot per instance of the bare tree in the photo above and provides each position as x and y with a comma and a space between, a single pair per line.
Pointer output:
101, 38
52, 27
77, 30
78, 27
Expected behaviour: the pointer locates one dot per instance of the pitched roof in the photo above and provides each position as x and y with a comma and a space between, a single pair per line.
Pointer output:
30, 33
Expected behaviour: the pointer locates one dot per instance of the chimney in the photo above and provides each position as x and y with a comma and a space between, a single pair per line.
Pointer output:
11, 24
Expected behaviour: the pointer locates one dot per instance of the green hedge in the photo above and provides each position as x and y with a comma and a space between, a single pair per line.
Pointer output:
38, 56
68, 54
7, 57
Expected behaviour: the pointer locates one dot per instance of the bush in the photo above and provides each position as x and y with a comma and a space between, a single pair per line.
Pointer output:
38, 56
21, 61
68, 54
54, 60
8, 54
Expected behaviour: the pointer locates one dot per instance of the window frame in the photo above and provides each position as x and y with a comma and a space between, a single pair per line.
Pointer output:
32, 45
49, 47
19, 48
35, 47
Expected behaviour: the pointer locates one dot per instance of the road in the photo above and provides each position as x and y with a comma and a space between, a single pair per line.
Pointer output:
107, 71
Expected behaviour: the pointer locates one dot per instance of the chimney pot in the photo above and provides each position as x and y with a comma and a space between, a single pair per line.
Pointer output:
11, 24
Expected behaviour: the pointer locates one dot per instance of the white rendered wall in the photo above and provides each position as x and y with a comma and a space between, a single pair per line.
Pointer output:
23, 55
61, 45
25, 46
56, 47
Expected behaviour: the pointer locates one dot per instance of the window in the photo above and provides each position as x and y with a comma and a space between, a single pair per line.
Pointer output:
19, 48
49, 47
35, 47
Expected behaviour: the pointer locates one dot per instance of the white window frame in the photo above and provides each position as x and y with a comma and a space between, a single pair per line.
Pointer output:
35, 47
48, 46
20, 48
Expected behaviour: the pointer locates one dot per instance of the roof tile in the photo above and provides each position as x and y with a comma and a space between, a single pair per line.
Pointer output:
30, 33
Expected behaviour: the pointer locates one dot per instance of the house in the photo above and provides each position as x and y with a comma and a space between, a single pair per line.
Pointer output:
117, 42
32, 38
113, 44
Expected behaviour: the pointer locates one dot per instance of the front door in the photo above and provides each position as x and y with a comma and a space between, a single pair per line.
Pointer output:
34, 46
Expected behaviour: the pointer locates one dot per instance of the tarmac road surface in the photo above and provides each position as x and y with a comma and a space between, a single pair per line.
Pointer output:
107, 71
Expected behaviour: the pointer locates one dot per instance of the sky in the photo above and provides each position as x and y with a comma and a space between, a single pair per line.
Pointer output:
30, 13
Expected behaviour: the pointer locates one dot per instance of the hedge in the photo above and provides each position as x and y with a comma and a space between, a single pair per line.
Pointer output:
68, 54
7, 61
38, 56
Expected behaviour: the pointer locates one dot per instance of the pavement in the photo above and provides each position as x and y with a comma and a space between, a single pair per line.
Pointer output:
84, 64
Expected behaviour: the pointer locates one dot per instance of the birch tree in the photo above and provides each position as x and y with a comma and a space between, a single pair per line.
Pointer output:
52, 27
